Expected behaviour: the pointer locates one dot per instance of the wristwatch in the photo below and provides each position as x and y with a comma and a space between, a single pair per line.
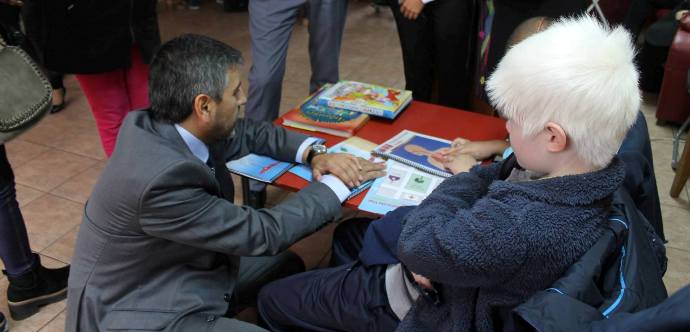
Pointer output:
315, 150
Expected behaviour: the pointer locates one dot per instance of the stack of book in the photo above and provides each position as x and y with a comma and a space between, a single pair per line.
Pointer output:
343, 108
313, 116
366, 98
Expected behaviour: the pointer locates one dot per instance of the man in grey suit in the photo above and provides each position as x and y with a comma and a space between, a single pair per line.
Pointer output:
270, 25
160, 243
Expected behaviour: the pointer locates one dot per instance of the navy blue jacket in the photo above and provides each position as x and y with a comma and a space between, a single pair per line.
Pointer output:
491, 244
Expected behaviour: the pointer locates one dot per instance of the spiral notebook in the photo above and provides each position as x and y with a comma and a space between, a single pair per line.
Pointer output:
414, 149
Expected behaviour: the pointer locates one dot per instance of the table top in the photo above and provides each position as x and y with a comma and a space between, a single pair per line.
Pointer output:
444, 122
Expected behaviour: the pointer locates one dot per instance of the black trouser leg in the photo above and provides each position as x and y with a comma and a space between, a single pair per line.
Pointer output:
452, 22
416, 44
345, 298
14, 242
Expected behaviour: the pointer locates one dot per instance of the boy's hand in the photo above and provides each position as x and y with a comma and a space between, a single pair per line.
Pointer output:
422, 281
480, 150
348, 168
411, 8
459, 163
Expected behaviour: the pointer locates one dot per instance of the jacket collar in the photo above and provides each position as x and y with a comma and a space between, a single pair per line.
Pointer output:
581, 189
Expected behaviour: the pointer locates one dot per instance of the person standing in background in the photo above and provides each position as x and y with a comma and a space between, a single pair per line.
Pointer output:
11, 31
30, 284
270, 25
436, 41
107, 44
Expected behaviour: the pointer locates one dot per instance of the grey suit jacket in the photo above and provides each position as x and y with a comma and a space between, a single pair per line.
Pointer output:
158, 248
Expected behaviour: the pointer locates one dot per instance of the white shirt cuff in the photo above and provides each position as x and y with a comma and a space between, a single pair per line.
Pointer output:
306, 144
338, 187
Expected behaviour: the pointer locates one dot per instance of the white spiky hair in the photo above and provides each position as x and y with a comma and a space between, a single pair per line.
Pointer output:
577, 73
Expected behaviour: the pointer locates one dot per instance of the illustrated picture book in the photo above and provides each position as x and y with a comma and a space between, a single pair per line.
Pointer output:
313, 116
366, 98
415, 149
261, 168
401, 186
353, 145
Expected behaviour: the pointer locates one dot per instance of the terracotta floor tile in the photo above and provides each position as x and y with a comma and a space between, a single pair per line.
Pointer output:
678, 272
79, 187
676, 226
26, 195
49, 218
51, 169
19, 151
82, 142
40, 319
63, 248
57, 324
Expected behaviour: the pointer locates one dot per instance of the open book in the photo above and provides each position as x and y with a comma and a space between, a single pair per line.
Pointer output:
353, 145
257, 167
401, 186
415, 149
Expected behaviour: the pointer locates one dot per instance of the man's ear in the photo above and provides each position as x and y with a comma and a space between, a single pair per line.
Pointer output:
200, 106
557, 139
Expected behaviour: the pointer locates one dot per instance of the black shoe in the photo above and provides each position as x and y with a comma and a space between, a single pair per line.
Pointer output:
59, 107
257, 199
38, 287
3, 323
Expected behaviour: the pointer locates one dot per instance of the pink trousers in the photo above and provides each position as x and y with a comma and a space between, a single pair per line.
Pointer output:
113, 94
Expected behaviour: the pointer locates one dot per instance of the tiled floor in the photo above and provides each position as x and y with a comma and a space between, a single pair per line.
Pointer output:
57, 162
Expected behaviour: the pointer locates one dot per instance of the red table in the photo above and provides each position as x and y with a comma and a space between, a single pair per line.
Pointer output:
424, 118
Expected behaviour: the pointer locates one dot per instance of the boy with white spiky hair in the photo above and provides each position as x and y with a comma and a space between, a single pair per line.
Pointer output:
486, 240
486, 243
575, 80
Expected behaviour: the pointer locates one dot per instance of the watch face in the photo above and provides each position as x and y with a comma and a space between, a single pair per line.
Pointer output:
319, 149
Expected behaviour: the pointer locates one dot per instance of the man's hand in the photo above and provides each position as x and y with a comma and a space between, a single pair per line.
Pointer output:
411, 9
422, 281
350, 169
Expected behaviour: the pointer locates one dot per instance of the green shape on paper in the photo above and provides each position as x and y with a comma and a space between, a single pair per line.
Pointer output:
418, 183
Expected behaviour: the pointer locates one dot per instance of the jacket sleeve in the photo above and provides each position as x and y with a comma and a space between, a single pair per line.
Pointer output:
455, 237
263, 138
178, 207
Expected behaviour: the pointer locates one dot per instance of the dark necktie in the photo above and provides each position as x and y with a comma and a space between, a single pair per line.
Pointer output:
217, 163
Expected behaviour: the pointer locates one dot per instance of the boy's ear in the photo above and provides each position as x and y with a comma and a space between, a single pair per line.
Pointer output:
557, 139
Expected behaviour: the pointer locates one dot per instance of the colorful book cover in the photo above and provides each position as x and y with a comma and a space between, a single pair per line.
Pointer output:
401, 186
353, 145
366, 98
315, 117
415, 149
261, 168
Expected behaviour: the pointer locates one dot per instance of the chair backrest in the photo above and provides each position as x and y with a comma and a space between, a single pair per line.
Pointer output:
622, 272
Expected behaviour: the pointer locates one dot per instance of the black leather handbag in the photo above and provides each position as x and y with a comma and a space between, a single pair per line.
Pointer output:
25, 94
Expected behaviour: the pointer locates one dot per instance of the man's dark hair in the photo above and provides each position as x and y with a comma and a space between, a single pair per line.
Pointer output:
185, 67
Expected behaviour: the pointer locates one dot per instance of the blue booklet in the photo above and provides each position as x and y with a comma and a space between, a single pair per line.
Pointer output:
353, 145
260, 168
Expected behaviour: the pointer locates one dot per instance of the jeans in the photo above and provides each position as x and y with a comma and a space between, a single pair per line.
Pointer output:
14, 242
